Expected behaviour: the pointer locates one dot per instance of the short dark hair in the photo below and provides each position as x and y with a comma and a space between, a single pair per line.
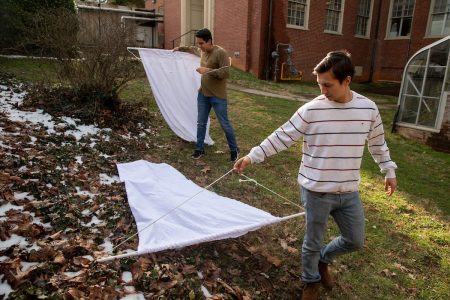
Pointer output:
204, 34
339, 62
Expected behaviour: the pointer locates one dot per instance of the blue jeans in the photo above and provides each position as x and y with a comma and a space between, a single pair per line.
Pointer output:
348, 213
204, 105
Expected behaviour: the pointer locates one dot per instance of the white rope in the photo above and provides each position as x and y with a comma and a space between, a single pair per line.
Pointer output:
202, 190
104, 259
257, 183
132, 48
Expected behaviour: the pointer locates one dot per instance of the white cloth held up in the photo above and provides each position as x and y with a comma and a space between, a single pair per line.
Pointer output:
175, 83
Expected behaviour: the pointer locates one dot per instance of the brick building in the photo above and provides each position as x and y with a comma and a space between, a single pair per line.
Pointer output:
381, 34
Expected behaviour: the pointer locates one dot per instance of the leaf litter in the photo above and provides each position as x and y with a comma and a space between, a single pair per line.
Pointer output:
62, 206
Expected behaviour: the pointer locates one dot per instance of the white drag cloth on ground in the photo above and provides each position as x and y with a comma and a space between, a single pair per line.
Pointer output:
155, 189
175, 85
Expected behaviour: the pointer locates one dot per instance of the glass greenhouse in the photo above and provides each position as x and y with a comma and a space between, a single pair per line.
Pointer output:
425, 88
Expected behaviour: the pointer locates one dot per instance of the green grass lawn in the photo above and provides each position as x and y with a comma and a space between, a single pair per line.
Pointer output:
407, 250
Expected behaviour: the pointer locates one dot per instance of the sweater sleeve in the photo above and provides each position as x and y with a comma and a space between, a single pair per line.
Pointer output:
378, 147
190, 49
282, 138
223, 62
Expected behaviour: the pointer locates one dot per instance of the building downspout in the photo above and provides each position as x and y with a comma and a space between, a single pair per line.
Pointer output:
269, 36
375, 46
249, 37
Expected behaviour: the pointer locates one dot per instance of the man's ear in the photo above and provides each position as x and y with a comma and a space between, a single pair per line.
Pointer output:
348, 80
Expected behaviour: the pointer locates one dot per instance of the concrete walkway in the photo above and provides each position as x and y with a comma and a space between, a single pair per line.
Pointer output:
287, 96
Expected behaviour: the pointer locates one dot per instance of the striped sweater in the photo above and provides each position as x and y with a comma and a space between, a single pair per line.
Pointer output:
334, 136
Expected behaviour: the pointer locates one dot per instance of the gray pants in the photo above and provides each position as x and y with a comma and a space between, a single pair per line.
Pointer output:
348, 213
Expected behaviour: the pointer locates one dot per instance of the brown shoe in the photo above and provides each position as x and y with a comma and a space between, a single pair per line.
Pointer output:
325, 274
311, 291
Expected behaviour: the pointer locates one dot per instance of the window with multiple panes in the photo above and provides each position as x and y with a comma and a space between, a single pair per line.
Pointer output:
334, 14
363, 18
401, 18
440, 18
297, 12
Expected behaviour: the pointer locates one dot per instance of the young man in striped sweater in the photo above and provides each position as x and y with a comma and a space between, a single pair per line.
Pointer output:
335, 127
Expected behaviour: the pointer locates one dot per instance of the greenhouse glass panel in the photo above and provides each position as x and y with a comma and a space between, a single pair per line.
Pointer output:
447, 25
428, 111
414, 74
410, 109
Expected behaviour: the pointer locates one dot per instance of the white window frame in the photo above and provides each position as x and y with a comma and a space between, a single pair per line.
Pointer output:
430, 15
369, 21
388, 27
306, 21
341, 18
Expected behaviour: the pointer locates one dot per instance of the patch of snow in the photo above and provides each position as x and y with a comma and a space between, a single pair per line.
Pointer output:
79, 160
23, 195
126, 251
127, 277
83, 130
108, 246
129, 289
89, 257
4, 258
84, 193
200, 274
4, 146
205, 291
23, 169
33, 247
25, 266
5, 288
10, 101
86, 212
33, 140
8, 206
38, 221
13, 240
73, 274
107, 180
133, 297
94, 221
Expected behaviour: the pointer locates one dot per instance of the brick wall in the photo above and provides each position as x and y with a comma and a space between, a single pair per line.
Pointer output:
172, 19
231, 29
259, 31
241, 26
393, 54
311, 45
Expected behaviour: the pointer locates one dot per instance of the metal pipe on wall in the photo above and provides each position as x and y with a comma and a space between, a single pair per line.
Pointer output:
135, 12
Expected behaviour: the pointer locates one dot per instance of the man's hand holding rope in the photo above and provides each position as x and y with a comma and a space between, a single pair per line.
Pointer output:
241, 164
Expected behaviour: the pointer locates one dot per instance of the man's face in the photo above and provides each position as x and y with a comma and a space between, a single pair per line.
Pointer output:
204, 46
332, 88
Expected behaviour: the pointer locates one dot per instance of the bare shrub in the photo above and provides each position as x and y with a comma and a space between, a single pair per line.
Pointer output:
92, 56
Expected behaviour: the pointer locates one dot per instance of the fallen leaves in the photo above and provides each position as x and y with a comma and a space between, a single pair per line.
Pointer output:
65, 214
